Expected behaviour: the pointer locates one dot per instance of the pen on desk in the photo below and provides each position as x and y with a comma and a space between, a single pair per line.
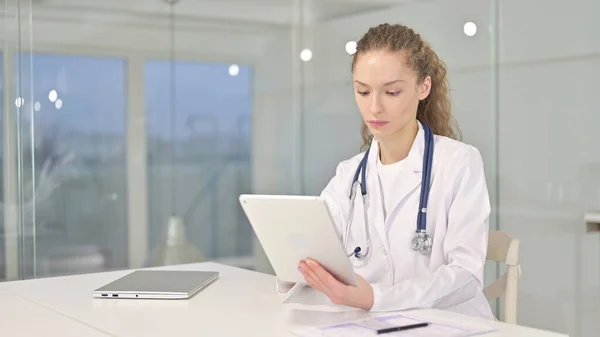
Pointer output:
400, 328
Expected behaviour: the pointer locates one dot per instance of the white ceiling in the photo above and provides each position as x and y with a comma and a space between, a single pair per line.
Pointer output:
208, 29
226, 14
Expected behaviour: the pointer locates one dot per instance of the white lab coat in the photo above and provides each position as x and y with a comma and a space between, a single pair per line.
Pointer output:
451, 277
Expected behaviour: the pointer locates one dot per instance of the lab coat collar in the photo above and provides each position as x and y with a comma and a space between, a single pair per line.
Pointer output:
414, 160
410, 178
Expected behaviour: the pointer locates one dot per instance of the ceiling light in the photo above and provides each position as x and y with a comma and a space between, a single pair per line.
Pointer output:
52, 96
234, 70
470, 28
351, 47
306, 55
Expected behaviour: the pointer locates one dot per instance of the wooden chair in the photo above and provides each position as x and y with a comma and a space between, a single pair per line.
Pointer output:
502, 247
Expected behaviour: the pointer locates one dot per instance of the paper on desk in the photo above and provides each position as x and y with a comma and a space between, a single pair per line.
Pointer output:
367, 327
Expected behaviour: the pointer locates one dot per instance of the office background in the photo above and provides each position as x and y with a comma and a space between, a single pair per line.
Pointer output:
122, 117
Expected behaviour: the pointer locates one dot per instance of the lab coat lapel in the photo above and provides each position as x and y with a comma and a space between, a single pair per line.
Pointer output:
410, 180
410, 176
375, 209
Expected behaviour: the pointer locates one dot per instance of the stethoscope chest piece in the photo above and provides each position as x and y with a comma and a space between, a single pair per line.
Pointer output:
422, 242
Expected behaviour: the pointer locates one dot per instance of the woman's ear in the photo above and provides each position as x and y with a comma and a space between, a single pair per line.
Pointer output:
425, 88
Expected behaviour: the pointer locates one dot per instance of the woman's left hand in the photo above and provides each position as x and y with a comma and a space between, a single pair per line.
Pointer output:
359, 296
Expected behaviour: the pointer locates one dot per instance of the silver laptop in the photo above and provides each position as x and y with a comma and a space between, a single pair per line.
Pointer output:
157, 284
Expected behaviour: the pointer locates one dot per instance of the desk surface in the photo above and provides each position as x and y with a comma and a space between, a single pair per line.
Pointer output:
239, 303
22, 318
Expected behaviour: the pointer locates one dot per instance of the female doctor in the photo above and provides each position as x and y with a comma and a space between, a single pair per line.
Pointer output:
423, 240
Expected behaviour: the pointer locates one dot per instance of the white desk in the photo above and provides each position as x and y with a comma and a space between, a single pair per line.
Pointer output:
22, 318
239, 303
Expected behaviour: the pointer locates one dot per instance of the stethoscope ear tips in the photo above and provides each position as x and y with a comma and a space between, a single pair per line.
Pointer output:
356, 252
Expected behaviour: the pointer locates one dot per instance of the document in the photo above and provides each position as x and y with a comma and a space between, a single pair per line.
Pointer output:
370, 326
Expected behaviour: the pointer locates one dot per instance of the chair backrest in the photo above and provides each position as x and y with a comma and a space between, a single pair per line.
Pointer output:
503, 247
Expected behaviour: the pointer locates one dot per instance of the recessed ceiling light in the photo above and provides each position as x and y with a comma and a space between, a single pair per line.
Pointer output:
52, 96
351, 47
306, 55
234, 70
470, 28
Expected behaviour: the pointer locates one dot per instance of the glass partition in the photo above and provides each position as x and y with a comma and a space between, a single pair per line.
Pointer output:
10, 230
136, 129
549, 159
73, 163
129, 129
199, 157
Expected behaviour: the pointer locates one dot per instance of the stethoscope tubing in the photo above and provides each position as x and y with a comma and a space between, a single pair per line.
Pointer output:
421, 241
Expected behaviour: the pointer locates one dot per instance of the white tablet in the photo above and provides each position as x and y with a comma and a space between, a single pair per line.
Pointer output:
294, 228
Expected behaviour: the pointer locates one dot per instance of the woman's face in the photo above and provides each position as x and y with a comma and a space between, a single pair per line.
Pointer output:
387, 92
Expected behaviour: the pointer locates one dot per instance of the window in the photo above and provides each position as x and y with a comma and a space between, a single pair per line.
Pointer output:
205, 146
78, 144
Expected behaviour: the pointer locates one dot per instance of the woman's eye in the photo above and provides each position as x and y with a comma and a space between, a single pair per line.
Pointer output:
363, 93
393, 93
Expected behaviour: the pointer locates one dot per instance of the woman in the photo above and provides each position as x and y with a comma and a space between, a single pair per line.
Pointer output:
400, 89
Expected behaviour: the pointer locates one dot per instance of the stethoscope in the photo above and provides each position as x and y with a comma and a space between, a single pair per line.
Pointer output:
421, 242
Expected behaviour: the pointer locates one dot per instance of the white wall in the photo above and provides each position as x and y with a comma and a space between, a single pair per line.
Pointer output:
547, 170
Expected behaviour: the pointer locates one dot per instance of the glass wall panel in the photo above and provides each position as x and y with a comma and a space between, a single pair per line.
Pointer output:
72, 163
138, 124
549, 173
199, 157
